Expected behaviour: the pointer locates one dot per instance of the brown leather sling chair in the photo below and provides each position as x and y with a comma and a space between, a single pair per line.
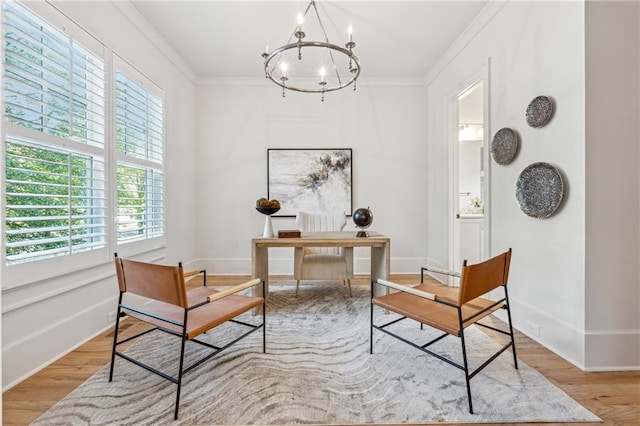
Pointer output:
451, 309
180, 312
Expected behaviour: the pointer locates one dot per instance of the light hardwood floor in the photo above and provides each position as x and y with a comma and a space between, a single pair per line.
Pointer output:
614, 397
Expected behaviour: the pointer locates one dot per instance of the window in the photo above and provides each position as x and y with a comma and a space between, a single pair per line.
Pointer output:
55, 202
70, 191
52, 84
54, 142
140, 203
139, 181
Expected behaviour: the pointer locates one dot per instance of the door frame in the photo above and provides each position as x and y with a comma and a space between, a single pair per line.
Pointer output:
480, 74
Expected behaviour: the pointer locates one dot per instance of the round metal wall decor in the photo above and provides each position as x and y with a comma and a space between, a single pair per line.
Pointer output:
504, 146
539, 190
539, 111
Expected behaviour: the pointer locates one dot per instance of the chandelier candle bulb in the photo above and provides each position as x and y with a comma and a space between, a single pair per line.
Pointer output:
350, 31
284, 78
300, 34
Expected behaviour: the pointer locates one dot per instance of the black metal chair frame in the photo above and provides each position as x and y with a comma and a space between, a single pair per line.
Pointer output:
217, 349
461, 321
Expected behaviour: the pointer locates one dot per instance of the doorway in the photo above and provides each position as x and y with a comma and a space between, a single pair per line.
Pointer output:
469, 177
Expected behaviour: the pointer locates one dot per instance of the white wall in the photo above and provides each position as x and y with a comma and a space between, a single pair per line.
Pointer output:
574, 275
237, 122
534, 48
613, 181
43, 320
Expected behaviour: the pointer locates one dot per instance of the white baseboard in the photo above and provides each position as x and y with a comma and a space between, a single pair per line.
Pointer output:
608, 350
284, 265
559, 337
612, 350
33, 352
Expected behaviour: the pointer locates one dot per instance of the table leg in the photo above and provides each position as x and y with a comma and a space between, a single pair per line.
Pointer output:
260, 269
380, 266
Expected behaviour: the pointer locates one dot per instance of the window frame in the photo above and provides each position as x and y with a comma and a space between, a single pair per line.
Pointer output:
66, 187
132, 247
21, 274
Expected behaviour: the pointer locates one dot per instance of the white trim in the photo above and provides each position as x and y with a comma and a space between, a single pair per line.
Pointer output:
480, 75
487, 163
64, 23
54, 359
136, 77
67, 272
47, 329
59, 291
452, 120
131, 14
611, 369
564, 324
138, 163
469, 34
560, 337
263, 82
45, 139
133, 73
24, 274
284, 265
624, 332
612, 350
2, 191
111, 147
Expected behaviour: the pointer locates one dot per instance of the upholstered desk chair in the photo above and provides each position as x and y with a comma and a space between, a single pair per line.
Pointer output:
322, 263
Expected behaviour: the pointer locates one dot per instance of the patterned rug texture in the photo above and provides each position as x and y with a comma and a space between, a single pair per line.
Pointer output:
317, 370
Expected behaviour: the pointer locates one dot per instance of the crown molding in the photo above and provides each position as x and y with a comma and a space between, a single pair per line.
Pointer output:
485, 16
264, 82
131, 14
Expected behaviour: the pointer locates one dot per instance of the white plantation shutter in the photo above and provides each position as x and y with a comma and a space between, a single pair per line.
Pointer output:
140, 203
54, 141
139, 120
55, 202
140, 156
52, 84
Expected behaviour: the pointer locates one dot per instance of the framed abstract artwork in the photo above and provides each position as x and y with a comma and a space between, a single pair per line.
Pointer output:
312, 180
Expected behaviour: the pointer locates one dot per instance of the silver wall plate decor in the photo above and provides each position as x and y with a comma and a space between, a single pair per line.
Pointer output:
539, 111
539, 190
504, 146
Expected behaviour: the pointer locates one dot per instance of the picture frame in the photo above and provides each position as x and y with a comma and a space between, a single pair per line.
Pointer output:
312, 180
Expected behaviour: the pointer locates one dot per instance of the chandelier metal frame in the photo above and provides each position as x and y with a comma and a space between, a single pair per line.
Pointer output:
275, 58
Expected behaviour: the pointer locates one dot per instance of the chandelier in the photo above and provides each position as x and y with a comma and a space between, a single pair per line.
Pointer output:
312, 66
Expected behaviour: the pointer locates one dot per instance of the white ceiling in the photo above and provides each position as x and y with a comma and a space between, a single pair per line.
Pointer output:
224, 39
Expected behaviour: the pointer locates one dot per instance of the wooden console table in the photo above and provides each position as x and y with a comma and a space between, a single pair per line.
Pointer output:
380, 251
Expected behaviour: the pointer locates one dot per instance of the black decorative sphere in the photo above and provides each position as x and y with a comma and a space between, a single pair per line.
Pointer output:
363, 218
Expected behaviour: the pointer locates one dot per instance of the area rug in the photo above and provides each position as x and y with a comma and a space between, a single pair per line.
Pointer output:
317, 370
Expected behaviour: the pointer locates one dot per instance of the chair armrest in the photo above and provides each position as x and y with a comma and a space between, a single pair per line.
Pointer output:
194, 272
234, 289
441, 271
410, 290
